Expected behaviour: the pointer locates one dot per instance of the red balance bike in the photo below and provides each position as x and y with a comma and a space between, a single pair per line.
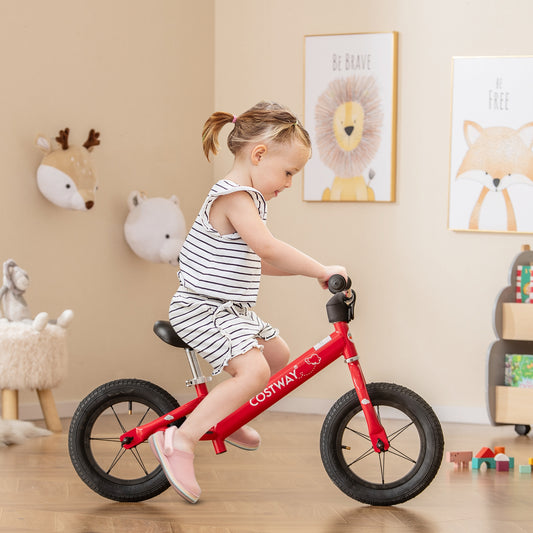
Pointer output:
380, 443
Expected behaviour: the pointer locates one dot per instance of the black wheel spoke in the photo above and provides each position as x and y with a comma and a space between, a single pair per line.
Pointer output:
118, 419
381, 457
363, 435
400, 454
117, 458
105, 439
368, 452
139, 460
394, 434
143, 417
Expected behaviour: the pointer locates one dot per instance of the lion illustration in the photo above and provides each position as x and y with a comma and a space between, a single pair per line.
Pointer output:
349, 119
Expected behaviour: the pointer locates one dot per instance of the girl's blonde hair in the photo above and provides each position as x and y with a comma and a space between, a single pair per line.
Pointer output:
265, 122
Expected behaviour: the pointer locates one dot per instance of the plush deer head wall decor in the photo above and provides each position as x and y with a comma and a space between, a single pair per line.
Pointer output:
66, 175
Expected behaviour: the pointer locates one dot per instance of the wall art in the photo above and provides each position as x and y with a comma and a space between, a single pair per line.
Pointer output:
350, 113
491, 158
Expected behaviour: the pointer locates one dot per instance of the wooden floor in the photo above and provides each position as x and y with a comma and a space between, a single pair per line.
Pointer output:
280, 488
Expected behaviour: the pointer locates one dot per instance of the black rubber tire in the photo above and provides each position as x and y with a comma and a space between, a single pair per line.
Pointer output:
391, 477
96, 452
522, 429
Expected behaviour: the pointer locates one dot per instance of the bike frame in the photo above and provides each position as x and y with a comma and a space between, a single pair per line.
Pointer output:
338, 343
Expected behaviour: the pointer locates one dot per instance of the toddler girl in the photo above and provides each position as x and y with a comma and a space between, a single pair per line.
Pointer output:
227, 249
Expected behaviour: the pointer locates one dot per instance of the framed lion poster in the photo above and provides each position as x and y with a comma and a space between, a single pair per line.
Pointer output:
491, 157
350, 114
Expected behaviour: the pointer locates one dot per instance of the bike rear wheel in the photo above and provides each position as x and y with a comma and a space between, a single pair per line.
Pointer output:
124, 475
391, 477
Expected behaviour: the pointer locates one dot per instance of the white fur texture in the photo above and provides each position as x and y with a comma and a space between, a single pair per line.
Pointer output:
17, 431
31, 359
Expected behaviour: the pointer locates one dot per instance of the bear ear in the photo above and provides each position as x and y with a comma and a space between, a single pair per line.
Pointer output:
135, 199
175, 200
43, 143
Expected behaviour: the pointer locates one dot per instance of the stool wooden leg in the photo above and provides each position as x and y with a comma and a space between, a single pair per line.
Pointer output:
10, 404
49, 409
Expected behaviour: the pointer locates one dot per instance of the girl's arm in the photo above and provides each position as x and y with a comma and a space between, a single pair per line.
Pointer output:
271, 270
241, 213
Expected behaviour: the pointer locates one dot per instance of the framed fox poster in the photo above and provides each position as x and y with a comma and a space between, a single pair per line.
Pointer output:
491, 157
350, 114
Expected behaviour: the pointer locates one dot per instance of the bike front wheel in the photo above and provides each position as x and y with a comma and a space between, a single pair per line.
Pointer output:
114, 472
396, 475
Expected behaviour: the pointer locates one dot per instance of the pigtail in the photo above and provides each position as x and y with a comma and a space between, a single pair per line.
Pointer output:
211, 130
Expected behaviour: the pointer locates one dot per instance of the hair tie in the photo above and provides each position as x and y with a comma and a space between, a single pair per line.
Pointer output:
234, 119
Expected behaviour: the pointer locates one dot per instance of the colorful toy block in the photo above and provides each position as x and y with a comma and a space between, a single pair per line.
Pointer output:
530, 460
524, 469
499, 449
478, 461
484, 453
502, 462
460, 459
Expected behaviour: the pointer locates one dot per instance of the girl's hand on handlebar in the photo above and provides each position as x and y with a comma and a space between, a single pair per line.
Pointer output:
330, 271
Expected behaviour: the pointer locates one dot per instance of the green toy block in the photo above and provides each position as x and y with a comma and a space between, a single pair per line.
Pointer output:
524, 469
478, 461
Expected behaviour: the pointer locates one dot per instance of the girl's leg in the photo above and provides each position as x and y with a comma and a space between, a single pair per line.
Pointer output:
249, 372
276, 352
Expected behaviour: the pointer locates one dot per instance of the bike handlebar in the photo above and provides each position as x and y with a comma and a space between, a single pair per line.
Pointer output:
337, 283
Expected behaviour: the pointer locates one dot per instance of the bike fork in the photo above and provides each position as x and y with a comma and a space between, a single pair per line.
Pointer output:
377, 434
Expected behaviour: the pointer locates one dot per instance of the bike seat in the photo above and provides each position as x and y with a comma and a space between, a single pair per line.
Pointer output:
165, 332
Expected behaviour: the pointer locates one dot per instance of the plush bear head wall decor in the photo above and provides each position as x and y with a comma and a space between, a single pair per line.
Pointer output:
66, 175
155, 228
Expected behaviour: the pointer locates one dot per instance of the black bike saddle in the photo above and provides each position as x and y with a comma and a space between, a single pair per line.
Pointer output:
165, 332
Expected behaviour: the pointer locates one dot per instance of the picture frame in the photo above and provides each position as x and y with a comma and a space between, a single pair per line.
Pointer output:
350, 113
491, 157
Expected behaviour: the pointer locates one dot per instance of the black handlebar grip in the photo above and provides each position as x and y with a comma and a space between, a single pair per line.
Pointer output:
337, 283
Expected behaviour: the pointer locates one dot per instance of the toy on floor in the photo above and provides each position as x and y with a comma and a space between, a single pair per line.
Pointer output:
66, 175
498, 461
155, 228
460, 459
502, 462
14, 306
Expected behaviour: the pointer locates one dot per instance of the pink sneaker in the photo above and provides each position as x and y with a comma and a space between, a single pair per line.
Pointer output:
245, 438
177, 465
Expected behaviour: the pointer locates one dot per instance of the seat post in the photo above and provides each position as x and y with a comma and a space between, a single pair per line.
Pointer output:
197, 376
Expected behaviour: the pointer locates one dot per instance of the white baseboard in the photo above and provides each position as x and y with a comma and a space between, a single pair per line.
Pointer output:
319, 406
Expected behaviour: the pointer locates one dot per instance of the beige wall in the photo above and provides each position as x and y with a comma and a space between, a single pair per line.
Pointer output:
147, 75
142, 74
426, 294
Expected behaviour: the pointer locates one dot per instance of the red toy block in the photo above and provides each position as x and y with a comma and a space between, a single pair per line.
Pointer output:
484, 453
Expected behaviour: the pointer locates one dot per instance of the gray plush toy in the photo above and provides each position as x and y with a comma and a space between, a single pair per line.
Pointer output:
13, 304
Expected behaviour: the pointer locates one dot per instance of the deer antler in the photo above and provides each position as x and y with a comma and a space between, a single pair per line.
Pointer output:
92, 140
62, 138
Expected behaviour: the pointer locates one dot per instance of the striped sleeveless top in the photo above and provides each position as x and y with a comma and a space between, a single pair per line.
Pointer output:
221, 266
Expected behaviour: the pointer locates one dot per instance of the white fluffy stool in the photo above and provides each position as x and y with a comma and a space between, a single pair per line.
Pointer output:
31, 359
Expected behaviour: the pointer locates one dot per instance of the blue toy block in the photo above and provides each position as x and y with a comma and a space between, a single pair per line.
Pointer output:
478, 461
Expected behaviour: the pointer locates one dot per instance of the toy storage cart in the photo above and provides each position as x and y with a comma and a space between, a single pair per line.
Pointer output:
513, 325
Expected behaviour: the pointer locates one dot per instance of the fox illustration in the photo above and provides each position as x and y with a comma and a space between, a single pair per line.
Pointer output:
497, 158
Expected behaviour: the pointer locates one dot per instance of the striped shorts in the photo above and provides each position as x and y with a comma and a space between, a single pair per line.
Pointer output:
218, 330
